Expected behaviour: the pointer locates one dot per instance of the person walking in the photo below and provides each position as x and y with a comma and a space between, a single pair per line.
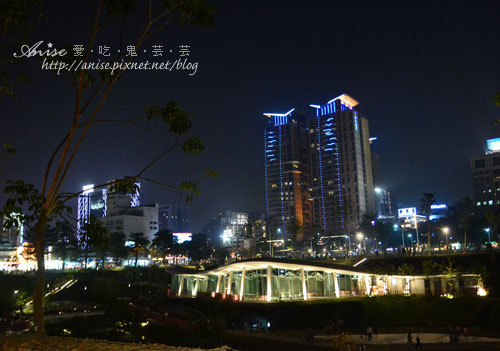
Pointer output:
418, 345
409, 344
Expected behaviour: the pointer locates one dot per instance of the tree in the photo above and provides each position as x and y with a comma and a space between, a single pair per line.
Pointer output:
94, 237
294, 228
18, 19
163, 242
493, 222
466, 216
62, 238
197, 249
116, 246
425, 206
140, 246
92, 89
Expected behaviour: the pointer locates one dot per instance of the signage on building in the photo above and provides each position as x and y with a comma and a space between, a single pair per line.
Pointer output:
407, 212
182, 237
493, 144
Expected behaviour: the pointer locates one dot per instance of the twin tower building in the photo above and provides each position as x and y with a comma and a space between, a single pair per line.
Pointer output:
318, 170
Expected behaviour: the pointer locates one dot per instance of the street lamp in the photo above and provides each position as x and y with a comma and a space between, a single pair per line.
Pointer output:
402, 235
487, 230
446, 230
360, 237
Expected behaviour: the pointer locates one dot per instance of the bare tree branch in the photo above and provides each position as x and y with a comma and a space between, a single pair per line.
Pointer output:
163, 154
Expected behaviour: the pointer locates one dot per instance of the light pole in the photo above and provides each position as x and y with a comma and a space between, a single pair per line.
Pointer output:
416, 229
271, 242
446, 230
374, 236
395, 226
360, 237
487, 230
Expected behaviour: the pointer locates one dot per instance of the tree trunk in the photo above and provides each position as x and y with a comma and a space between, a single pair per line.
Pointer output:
465, 239
136, 258
429, 235
86, 255
38, 294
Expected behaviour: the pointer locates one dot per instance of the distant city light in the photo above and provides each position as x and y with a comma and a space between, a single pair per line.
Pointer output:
439, 206
378, 190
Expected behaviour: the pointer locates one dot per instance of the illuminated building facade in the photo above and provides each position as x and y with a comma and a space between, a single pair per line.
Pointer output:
233, 229
287, 174
385, 205
174, 218
344, 164
485, 174
101, 202
318, 168
139, 219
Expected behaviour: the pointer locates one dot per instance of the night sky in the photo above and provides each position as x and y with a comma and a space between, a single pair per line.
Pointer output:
424, 73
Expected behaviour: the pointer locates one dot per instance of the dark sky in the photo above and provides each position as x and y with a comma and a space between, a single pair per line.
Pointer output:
424, 73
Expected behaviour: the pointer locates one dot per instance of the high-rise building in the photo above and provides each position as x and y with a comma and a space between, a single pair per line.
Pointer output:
139, 219
174, 218
384, 206
318, 168
485, 173
287, 173
233, 226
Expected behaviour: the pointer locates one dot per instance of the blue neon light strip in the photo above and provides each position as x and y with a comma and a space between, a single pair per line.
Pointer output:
321, 175
340, 188
266, 179
282, 195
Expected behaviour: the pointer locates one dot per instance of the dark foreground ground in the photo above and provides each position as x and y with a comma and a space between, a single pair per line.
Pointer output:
245, 341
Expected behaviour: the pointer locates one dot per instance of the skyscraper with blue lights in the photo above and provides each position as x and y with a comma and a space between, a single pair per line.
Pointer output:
287, 175
318, 168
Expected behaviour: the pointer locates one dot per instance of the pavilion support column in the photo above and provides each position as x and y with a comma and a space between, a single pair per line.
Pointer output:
242, 286
336, 285
181, 281
304, 286
269, 283
367, 284
217, 288
195, 289
229, 282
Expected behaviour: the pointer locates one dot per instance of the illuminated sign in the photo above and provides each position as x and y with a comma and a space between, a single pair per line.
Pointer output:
407, 212
97, 205
226, 236
493, 144
182, 237
439, 207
